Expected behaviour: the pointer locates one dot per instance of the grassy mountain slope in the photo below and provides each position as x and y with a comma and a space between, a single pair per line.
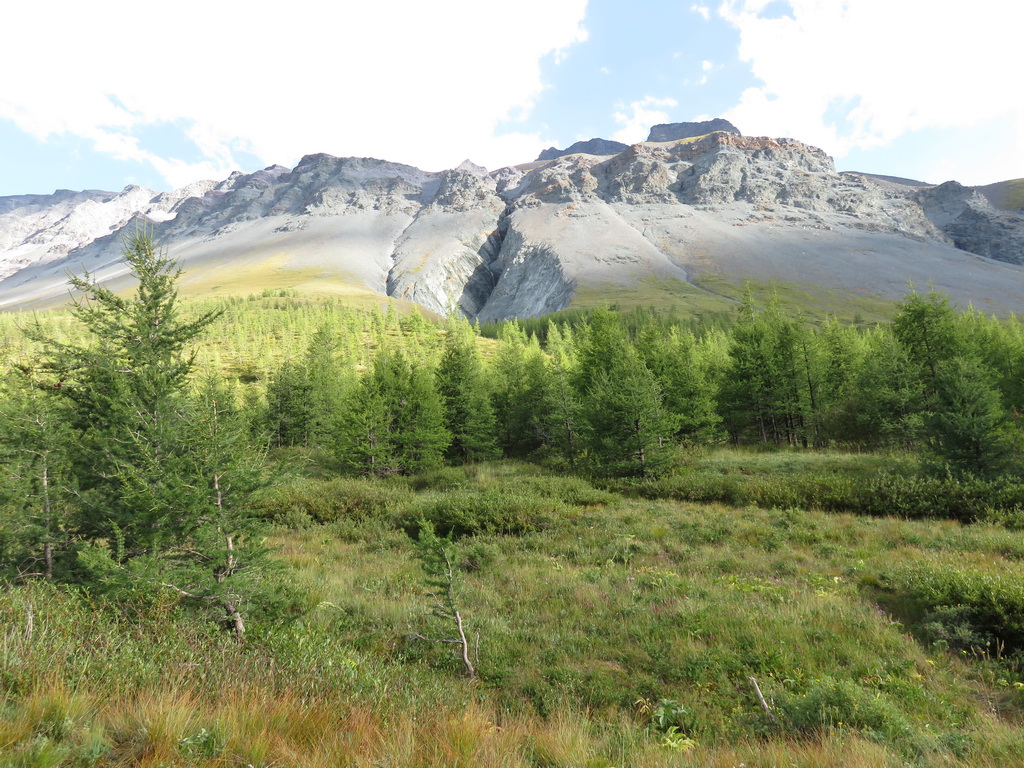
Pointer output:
1008, 195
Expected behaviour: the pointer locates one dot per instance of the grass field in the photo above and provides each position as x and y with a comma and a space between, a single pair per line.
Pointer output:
607, 630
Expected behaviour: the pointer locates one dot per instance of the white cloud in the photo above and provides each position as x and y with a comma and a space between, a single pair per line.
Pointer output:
705, 67
636, 126
702, 10
408, 81
861, 73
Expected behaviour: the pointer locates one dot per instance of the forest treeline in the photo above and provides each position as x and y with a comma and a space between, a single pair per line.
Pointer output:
617, 396
129, 466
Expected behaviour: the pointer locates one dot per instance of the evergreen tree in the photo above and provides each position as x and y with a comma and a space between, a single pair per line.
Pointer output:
36, 487
364, 432
422, 436
164, 478
886, 404
628, 429
1000, 344
841, 350
304, 398
394, 423
289, 410
124, 393
770, 389
327, 383
464, 392
973, 434
519, 393
750, 384
927, 328
969, 427
563, 409
688, 391
560, 407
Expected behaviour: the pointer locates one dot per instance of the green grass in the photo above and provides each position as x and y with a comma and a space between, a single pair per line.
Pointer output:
809, 302
606, 630
687, 299
711, 297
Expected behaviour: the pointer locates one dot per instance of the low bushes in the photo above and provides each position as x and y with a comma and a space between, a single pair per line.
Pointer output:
912, 497
831, 703
330, 501
468, 512
458, 501
961, 604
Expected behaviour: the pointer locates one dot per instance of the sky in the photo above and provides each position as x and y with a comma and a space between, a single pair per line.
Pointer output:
110, 93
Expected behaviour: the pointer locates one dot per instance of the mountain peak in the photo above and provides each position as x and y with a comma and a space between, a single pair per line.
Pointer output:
590, 147
469, 166
676, 131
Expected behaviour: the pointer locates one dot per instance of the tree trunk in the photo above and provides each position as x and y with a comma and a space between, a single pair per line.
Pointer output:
234, 617
48, 546
465, 647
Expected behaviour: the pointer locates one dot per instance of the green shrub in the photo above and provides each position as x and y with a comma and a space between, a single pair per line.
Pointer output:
568, 489
439, 479
832, 704
329, 501
466, 513
479, 555
885, 494
962, 603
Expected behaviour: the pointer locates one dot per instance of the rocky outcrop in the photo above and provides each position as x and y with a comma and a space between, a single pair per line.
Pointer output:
722, 169
38, 229
677, 131
994, 234
443, 260
972, 223
532, 280
589, 147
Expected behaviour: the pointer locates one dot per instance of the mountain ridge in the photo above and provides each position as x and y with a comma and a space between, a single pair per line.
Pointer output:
525, 240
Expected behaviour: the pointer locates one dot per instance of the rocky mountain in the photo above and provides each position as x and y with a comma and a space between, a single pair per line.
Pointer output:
37, 229
663, 132
676, 131
589, 147
530, 239
970, 220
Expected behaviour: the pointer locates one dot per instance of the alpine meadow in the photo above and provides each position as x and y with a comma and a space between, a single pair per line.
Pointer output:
283, 530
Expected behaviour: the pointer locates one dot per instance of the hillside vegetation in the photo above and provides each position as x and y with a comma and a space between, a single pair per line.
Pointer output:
274, 531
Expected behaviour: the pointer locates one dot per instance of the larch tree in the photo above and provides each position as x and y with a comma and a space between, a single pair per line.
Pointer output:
153, 465
465, 394
628, 430
519, 393
394, 421
37, 495
124, 392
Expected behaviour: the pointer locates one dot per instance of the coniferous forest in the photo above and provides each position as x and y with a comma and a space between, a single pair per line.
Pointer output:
279, 531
